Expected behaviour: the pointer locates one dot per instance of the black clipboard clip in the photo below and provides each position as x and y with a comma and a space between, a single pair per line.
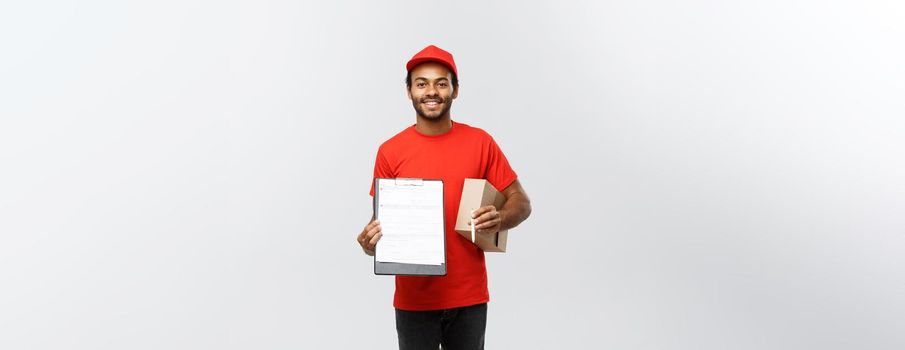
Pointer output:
402, 181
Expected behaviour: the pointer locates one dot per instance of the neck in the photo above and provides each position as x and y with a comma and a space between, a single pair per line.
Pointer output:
433, 127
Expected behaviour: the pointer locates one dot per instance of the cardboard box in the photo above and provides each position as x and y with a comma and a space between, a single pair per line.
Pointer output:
477, 193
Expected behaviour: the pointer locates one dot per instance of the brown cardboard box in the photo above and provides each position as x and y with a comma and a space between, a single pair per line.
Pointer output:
477, 193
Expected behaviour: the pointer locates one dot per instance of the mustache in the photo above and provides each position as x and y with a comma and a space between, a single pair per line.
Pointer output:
433, 98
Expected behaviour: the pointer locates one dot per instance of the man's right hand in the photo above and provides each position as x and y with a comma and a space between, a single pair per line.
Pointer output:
369, 237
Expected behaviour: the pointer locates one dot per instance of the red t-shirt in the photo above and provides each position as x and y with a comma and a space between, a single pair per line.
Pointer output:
462, 152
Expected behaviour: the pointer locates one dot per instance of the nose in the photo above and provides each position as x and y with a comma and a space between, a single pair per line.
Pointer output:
431, 91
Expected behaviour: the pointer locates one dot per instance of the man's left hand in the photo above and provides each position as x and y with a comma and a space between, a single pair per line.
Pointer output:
487, 220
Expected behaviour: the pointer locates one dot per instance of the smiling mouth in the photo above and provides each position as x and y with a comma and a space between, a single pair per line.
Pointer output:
432, 103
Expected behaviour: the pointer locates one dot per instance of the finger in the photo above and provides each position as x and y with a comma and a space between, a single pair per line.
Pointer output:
371, 225
488, 224
364, 231
369, 232
373, 231
480, 211
486, 217
367, 251
369, 235
373, 243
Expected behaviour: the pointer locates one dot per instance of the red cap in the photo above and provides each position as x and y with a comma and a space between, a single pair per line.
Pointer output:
432, 53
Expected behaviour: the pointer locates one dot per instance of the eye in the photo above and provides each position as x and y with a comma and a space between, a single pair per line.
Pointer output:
443, 85
421, 85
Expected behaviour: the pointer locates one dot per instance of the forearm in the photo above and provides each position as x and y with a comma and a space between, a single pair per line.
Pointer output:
516, 209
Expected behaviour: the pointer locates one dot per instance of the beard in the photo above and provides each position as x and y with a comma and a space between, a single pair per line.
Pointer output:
435, 114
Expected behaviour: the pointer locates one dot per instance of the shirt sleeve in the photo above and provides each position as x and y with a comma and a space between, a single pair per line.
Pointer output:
382, 169
498, 171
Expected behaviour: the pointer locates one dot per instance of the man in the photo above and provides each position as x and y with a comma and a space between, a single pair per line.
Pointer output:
450, 310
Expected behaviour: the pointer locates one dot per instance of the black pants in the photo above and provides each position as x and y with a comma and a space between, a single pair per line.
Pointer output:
461, 328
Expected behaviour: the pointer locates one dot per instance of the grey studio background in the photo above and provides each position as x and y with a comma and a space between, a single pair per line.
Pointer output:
704, 175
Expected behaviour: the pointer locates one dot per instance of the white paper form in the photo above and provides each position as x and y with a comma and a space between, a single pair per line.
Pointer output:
411, 217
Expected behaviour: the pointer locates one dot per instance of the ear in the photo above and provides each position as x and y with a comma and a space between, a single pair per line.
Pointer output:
408, 92
455, 92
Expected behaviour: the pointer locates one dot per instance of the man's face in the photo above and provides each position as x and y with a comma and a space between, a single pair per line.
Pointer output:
432, 92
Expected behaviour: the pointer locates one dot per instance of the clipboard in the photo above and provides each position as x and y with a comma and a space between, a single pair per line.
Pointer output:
404, 269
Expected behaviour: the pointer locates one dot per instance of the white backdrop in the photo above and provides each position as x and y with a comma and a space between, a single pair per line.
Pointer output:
705, 175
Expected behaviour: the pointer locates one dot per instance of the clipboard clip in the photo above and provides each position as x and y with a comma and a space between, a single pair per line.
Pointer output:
409, 182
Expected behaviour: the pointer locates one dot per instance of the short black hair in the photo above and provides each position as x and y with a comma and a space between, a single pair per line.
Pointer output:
455, 80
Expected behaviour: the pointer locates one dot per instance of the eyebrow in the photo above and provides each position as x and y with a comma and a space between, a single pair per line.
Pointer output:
425, 79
